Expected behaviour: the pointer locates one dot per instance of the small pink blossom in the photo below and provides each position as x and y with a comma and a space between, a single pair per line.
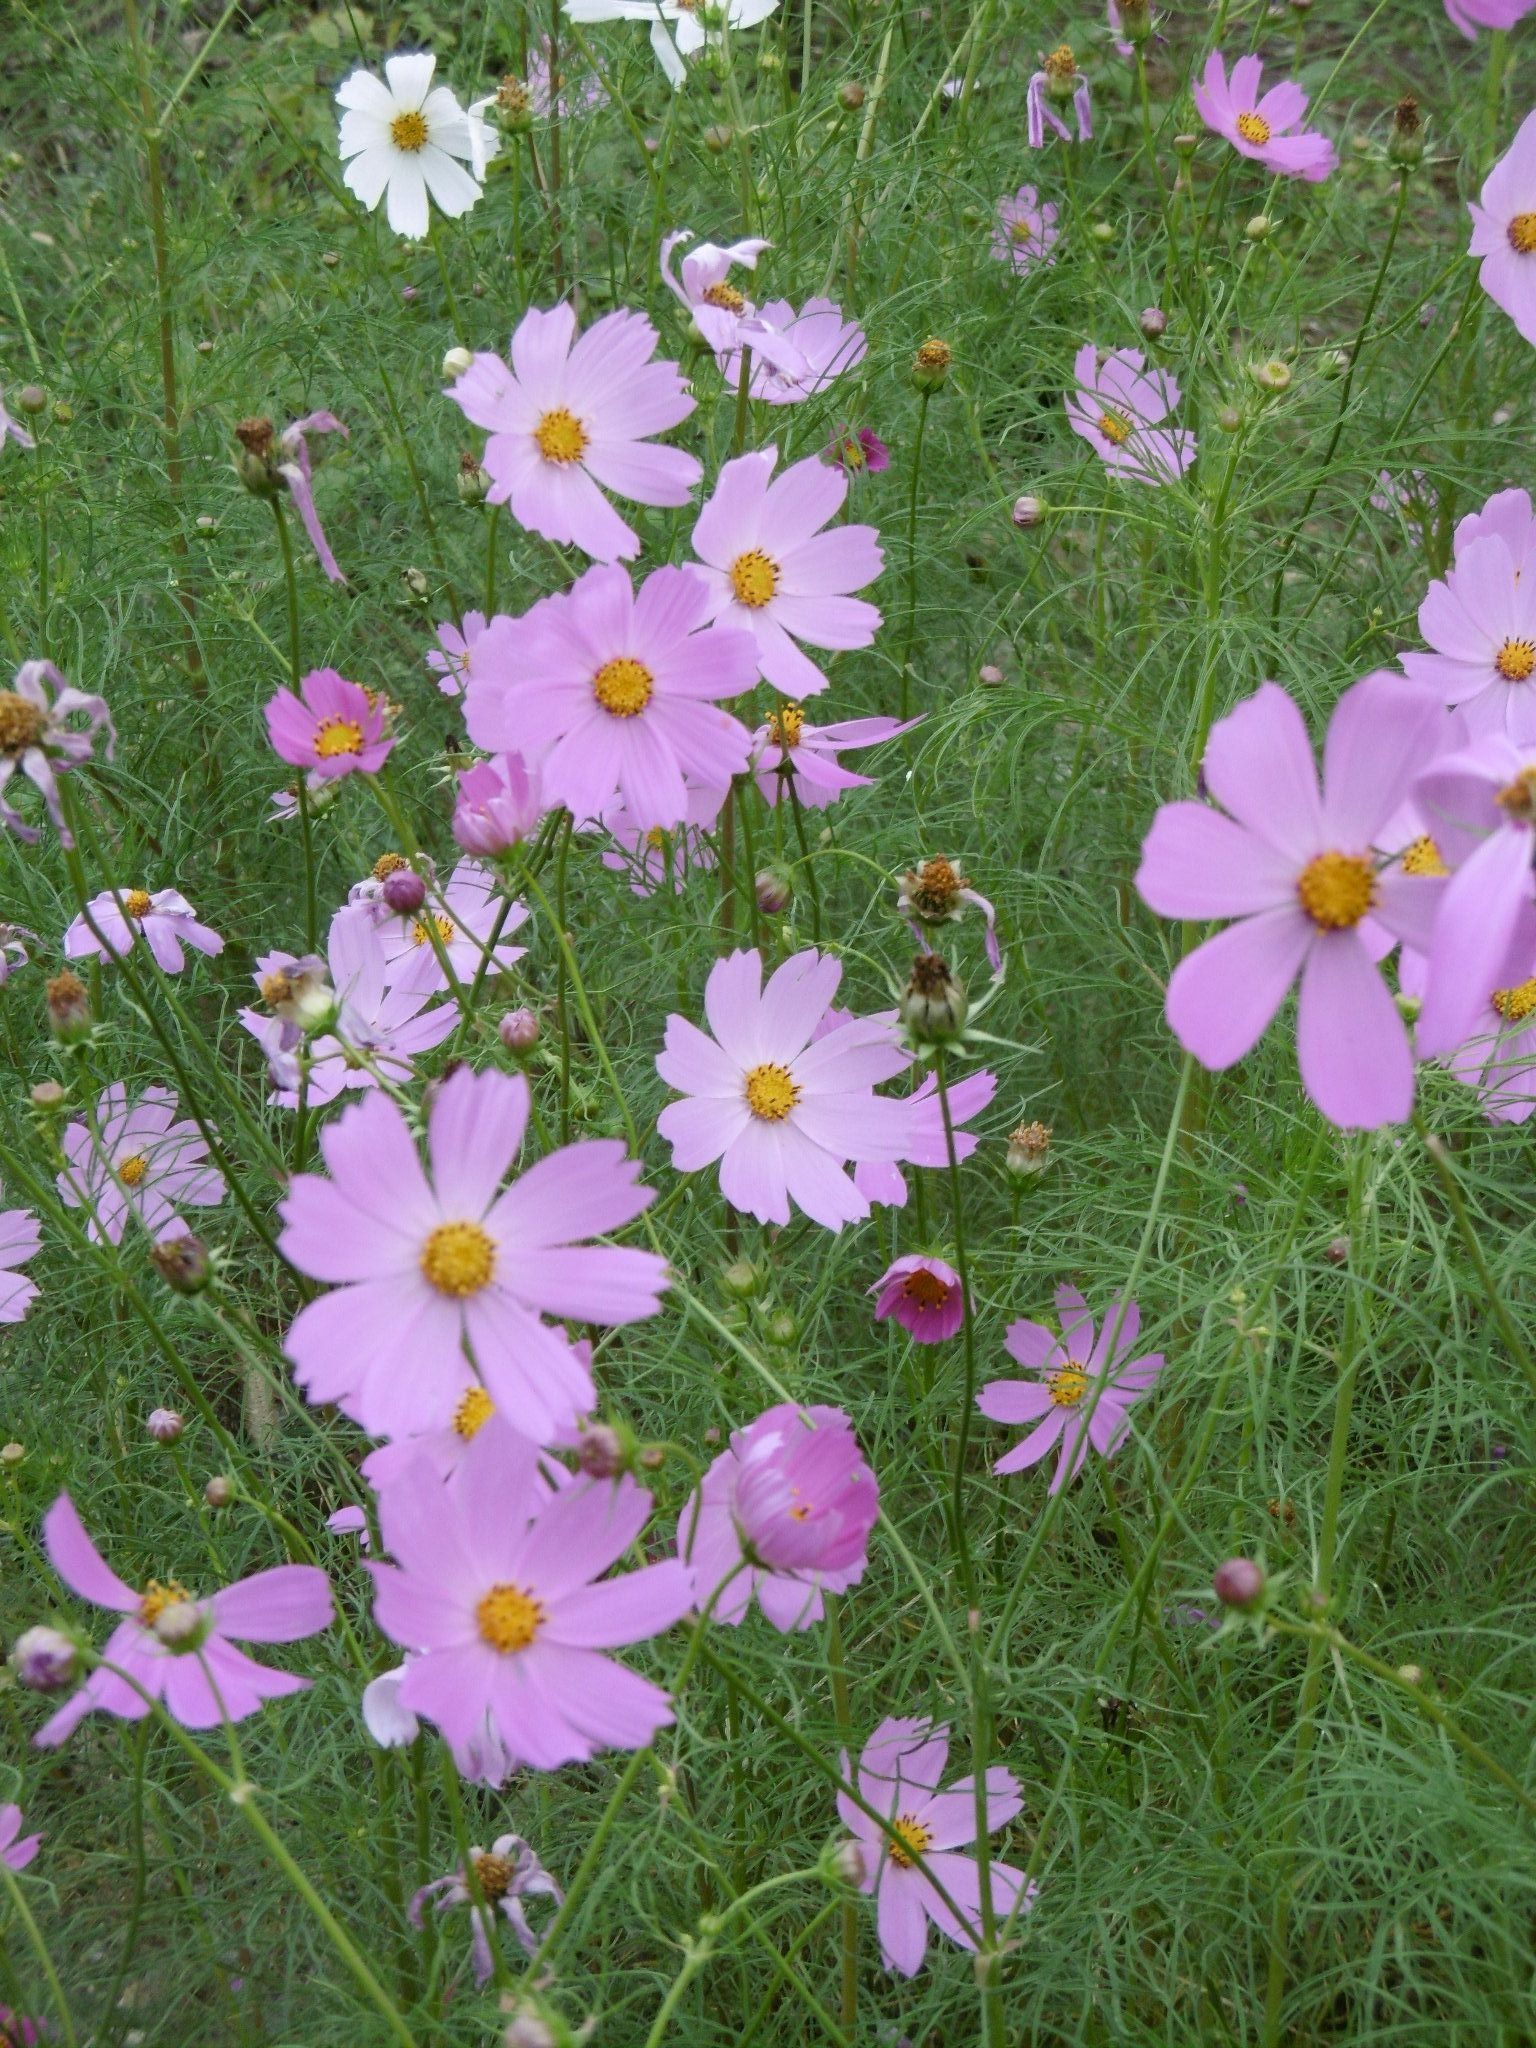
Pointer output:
1267, 129
1024, 231
462, 916
924, 1295
660, 857
332, 728
21, 1237
463, 652
15, 1853
1471, 15
795, 356
857, 451
37, 740
789, 750
135, 1159
926, 1143
500, 804
1480, 622
165, 920
1118, 407
1504, 230
704, 291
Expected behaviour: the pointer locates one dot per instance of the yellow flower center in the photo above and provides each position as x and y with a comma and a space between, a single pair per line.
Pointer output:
156, 1597
389, 864
22, 724
1061, 65
131, 1171
925, 1290
658, 839
1253, 128
408, 132
1067, 1387
509, 1619
934, 887
623, 687
494, 1875
1514, 1005
1336, 890
1516, 660
335, 736
850, 452
459, 1259
473, 1413
561, 436
934, 354
771, 1093
1021, 231
421, 931
1422, 857
786, 726
1115, 428
754, 578
726, 297
1522, 234
911, 1841
137, 902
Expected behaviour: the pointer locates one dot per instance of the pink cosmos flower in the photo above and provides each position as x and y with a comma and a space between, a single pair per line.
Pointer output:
899, 1775
464, 652
924, 1295
12, 430
1117, 409
857, 451
429, 1273
138, 1160
1058, 83
462, 1419
1024, 230
795, 356
1480, 622
175, 1647
1498, 1058
570, 419
614, 691
14, 1854
771, 568
464, 914
882, 1180
1078, 1378
1507, 514
21, 1237
165, 920
504, 1876
331, 728
37, 741
781, 1109
1295, 866
787, 749
784, 1513
1471, 15
1267, 130
658, 858
715, 306
493, 1588
16, 2032
500, 804
1504, 230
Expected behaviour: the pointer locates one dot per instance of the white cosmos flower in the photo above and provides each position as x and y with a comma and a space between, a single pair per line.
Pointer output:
409, 140
679, 28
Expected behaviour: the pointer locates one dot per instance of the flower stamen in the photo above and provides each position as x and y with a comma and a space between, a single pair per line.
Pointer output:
725, 296
1336, 890
459, 1259
623, 687
509, 1619
754, 578
157, 1596
912, 1839
22, 724
132, 1170
335, 736
1522, 234
473, 1413
1514, 1005
1254, 128
561, 436
1067, 1387
1516, 660
772, 1093
137, 903
409, 132
1423, 857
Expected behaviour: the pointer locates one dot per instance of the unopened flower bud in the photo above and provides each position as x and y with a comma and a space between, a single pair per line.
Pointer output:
934, 1005
456, 362
1186, 145
63, 415
528, 2031
1411, 1674
1272, 376
1153, 322
43, 1660
931, 364
180, 1627
32, 398
781, 1328
519, 1030
1135, 20
1102, 232
218, 1492
1408, 1007
1336, 1251
1229, 419
718, 138
851, 94
847, 1862
69, 1007
1239, 1583
1029, 1150
404, 891
473, 481
330, 258
1028, 512
415, 584
12, 1453
989, 675
1259, 228
741, 1279
602, 1453
182, 1263
773, 892
49, 1098
164, 1425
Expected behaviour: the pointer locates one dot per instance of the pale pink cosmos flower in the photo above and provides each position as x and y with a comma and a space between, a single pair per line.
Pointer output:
926, 1143
12, 430
794, 356
1471, 15
465, 651
500, 804
1480, 622
784, 1514
462, 1418
331, 728
572, 418
564, 95
1024, 230
899, 1775
1507, 514
429, 1272
704, 291
16, 1849
112, 922
1083, 1392
782, 1109
37, 740
1118, 408
787, 749
771, 568
614, 693
138, 1161
1058, 83
481, 1757
1504, 230
1498, 1058
505, 1874
924, 1295
661, 857
21, 1237
464, 914
174, 1647
1267, 129
497, 1593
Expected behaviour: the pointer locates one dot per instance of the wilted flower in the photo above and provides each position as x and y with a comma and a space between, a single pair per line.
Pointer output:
112, 921
936, 893
14, 940
268, 462
12, 430
1058, 83
932, 363
505, 1875
789, 751
69, 1007
407, 140
1029, 1150
36, 741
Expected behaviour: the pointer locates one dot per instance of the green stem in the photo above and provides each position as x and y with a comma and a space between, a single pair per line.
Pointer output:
40, 1950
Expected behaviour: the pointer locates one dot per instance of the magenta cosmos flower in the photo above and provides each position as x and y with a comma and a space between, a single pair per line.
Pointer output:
784, 1513
165, 920
924, 1295
771, 568
37, 740
1471, 15
1118, 408
787, 749
899, 1775
21, 1236
781, 1109
567, 422
1504, 230
613, 693
857, 450
1084, 1391
16, 1853
1480, 622
175, 1647
136, 1159
1268, 129
795, 356
332, 728
429, 1269
1295, 866
494, 1590
1024, 230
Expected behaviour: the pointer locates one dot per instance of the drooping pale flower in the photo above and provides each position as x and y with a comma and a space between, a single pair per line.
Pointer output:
679, 28
16, 1849
1024, 231
927, 1144
784, 1513
1296, 866
1057, 84
12, 430
463, 917
175, 1647
771, 568
1083, 1391
500, 803
716, 307
781, 1109
331, 728
795, 356
165, 920
405, 140
572, 418
14, 941
425, 1271
899, 1775
1471, 15
658, 858
505, 1874
37, 741
924, 1295
1480, 622
1504, 230
497, 1592
1267, 129
788, 750
21, 1236
936, 893
1118, 407
269, 463
137, 1160
614, 693
857, 451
